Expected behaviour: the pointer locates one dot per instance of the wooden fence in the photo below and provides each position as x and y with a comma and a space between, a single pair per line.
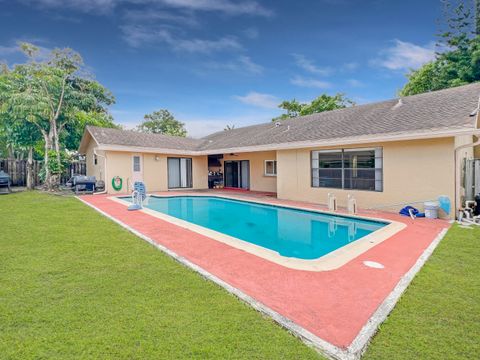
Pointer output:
17, 169
74, 168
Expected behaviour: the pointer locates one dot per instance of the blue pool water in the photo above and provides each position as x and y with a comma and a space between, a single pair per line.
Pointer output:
292, 233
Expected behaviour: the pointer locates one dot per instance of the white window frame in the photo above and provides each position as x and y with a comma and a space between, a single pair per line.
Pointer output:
185, 173
274, 168
139, 163
378, 168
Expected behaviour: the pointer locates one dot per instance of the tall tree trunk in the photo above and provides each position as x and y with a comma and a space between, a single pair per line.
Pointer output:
55, 146
11, 153
56, 140
30, 179
46, 161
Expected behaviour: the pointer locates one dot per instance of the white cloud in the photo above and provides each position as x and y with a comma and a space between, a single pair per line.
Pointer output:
225, 6
104, 6
8, 51
355, 83
251, 33
97, 6
260, 100
309, 66
308, 82
243, 64
200, 127
206, 46
154, 15
350, 66
136, 36
404, 55
248, 65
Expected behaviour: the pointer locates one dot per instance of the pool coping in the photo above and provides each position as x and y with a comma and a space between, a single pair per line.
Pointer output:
330, 261
358, 346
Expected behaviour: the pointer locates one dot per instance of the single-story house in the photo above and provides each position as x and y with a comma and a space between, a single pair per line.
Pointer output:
385, 154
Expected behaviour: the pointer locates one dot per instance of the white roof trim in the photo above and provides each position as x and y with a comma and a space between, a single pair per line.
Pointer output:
431, 134
83, 143
354, 140
140, 149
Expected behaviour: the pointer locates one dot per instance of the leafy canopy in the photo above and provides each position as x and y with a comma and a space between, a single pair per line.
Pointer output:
322, 103
50, 101
162, 122
459, 63
54, 96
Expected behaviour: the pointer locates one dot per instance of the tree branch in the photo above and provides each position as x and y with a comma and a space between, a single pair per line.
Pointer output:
60, 102
50, 102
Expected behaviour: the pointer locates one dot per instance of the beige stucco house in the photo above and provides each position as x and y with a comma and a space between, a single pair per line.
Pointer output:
385, 154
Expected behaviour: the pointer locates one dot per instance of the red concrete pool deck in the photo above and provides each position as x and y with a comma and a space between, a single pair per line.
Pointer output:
333, 305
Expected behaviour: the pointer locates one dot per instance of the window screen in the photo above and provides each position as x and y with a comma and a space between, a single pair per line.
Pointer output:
355, 169
136, 163
270, 167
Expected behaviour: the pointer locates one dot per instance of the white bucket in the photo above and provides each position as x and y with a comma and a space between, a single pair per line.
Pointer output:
431, 209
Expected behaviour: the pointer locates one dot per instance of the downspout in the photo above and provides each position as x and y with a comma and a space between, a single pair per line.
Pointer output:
105, 172
475, 113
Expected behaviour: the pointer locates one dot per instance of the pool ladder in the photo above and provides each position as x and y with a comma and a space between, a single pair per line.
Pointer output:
351, 203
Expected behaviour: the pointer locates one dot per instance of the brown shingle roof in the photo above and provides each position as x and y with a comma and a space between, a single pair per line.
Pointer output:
106, 136
448, 109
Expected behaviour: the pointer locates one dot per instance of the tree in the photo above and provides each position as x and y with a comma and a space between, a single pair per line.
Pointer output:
49, 95
322, 103
75, 128
21, 137
459, 63
162, 122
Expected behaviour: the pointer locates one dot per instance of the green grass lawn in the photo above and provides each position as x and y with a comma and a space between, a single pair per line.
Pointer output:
96, 291
438, 317
75, 285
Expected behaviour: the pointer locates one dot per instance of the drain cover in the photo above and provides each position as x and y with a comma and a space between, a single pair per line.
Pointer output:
373, 264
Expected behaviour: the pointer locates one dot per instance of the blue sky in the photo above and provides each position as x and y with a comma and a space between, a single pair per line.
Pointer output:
219, 62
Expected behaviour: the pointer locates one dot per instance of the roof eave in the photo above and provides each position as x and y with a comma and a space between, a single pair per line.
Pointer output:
151, 150
357, 140
82, 148
354, 140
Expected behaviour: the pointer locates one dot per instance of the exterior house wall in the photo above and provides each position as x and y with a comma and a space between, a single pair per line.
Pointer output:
258, 180
412, 171
476, 152
97, 170
154, 171
118, 164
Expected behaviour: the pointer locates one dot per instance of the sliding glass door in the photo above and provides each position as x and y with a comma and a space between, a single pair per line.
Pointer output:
179, 173
237, 174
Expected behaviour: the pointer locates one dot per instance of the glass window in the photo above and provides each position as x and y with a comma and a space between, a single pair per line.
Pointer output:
179, 173
95, 159
355, 169
136, 163
327, 169
270, 168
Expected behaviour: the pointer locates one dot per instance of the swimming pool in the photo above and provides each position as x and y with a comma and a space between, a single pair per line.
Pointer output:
290, 232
